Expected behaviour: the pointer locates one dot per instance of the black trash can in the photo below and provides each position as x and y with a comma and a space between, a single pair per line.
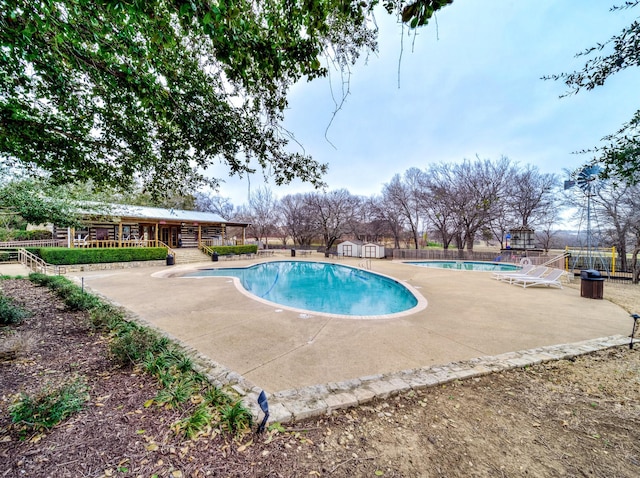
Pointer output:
591, 284
293, 253
214, 257
170, 259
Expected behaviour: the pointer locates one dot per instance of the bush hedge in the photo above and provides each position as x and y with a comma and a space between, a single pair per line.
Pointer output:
230, 250
20, 235
63, 256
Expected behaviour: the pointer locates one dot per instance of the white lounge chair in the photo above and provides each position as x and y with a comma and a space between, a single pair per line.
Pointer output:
552, 279
538, 271
524, 270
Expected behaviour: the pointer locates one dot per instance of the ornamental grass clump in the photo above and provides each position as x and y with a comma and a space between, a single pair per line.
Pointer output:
50, 406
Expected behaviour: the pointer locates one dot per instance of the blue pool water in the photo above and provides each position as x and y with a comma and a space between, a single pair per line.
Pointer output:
321, 287
467, 265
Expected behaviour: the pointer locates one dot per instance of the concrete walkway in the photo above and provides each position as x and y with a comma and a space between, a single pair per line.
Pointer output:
291, 355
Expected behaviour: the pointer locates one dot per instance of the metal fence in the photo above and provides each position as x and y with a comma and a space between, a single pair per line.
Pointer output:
514, 257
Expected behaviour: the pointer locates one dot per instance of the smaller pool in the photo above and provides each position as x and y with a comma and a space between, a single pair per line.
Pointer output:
467, 265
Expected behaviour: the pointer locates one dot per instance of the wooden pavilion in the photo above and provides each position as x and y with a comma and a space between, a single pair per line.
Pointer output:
142, 226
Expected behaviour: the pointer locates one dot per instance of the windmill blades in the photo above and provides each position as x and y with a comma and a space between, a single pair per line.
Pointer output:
587, 179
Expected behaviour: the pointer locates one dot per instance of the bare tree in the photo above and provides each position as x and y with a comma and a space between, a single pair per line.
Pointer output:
437, 183
389, 216
334, 213
546, 222
403, 194
297, 219
531, 194
617, 208
213, 203
478, 187
262, 210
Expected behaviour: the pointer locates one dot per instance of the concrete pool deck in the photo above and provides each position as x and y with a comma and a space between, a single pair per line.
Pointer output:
469, 319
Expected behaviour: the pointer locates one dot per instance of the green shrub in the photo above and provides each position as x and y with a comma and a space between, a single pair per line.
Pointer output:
226, 250
10, 313
49, 407
72, 295
105, 317
65, 256
215, 397
236, 418
22, 235
131, 343
198, 420
79, 300
176, 391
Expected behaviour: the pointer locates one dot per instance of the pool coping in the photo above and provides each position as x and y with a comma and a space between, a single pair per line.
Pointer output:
306, 313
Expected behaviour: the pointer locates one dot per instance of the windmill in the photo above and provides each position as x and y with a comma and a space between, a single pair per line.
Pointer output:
589, 182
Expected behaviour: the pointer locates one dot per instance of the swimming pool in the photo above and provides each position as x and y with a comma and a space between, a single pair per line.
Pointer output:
467, 265
321, 287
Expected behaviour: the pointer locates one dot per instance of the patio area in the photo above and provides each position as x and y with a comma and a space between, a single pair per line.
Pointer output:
468, 315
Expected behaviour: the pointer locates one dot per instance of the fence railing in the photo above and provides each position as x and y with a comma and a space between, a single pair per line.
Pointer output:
104, 243
513, 257
34, 243
36, 264
219, 242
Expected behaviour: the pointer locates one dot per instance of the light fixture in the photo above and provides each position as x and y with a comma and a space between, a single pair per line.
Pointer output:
264, 406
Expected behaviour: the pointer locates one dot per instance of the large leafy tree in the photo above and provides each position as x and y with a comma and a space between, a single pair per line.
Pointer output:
158, 90
37, 202
620, 152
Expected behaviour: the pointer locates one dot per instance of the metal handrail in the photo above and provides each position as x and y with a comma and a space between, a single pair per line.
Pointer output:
564, 255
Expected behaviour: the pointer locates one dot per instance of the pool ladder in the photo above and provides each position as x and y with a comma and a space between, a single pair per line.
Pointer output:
365, 264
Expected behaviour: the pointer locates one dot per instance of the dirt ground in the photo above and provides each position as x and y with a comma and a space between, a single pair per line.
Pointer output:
566, 418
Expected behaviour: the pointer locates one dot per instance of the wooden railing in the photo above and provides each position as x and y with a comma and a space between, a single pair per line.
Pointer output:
34, 243
208, 250
217, 242
35, 264
162, 244
77, 243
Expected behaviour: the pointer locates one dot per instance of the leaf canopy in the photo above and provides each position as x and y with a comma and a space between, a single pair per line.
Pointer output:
159, 90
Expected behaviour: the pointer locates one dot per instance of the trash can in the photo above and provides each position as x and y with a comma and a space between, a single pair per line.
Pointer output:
214, 257
591, 284
293, 253
170, 259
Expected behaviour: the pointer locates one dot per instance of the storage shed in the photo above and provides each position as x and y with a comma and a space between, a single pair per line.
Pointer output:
350, 249
373, 251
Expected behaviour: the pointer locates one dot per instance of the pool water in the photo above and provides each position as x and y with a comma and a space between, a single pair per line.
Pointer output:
321, 287
467, 265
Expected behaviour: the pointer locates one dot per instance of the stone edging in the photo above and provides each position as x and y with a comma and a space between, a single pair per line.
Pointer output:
298, 404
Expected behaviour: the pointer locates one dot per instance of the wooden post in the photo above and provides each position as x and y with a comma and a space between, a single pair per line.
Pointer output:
120, 234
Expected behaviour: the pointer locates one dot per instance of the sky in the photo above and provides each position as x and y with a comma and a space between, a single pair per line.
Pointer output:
468, 85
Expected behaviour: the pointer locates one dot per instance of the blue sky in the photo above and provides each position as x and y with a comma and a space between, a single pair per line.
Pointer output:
471, 86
